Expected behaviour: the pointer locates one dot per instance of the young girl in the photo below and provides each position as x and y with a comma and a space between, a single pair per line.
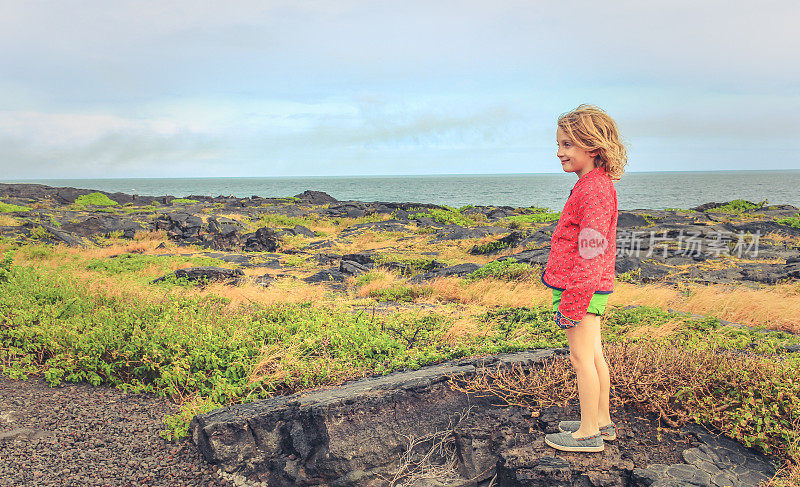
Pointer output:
580, 268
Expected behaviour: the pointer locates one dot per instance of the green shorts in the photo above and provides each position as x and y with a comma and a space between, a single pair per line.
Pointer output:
597, 304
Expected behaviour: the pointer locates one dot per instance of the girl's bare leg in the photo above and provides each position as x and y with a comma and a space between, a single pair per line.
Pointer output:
583, 338
604, 413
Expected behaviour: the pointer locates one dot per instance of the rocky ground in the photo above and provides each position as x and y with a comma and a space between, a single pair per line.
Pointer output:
79, 434
694, 245
339, 436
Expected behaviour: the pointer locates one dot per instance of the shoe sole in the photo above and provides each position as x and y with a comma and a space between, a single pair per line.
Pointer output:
605, 437
576, 448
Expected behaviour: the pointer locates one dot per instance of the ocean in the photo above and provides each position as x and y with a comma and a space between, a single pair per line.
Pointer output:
636, 190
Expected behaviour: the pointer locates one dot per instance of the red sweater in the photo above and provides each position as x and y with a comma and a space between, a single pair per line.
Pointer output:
589, 218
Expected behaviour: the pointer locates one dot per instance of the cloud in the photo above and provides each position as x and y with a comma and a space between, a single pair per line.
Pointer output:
129, 87
113, 154
116, 51
383, 124
105, 145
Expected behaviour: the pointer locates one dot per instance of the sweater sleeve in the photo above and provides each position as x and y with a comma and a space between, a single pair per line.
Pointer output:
595, 212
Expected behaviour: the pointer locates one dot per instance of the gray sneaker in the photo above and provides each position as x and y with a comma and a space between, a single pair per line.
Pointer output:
608, 431
564, 441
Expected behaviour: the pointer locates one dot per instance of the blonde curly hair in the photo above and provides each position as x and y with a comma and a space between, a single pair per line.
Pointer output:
590, 128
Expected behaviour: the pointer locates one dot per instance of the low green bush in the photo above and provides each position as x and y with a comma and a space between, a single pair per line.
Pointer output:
737, 206
792, 221
451, 216
96, 199
5, 267
506, 269
535, 217
400, 293
8, 208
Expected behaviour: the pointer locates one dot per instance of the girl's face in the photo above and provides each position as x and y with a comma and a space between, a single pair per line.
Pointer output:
573, 158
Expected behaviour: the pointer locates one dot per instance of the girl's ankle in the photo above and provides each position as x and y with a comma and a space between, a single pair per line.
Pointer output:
580, 434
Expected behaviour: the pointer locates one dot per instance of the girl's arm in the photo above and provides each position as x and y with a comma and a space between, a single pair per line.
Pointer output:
596, 211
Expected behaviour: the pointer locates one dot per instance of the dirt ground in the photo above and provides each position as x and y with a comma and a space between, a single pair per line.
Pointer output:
79, 434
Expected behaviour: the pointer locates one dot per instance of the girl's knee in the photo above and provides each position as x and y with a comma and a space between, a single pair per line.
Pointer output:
600, 361
581, 359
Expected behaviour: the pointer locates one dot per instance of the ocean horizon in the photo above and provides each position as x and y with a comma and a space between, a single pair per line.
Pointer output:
636, 190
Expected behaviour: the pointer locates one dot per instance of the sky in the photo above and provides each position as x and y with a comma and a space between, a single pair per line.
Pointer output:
99, 89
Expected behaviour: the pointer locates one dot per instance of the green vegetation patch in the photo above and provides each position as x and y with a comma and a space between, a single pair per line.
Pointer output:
535, 217
447, 215
792, 221
420, 264
197, 347
506, 269
5, 267
280, 220
490, 246
737, 206
131, 265
9, 208
400, 293
96, 199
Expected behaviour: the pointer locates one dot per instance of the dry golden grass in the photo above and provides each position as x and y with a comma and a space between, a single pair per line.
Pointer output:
463, 327
488, 292
282, 290
788, 476
780, 238
776, 307
383, 279
142, 243
368, 240
9, 221
655, 331
278, 364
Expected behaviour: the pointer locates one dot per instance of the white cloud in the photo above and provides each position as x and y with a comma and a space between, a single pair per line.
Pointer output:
78, 128
247, 80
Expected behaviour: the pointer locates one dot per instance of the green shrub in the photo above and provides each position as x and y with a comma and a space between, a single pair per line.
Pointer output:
737, 206
633, 275
131, 265
5, 267
448, 215
96, 199
506, 269
182, 201
400, 293
792, 221
420, 264
490, 246
8, 208
534, 217
40, 233
279, 220
367, 277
